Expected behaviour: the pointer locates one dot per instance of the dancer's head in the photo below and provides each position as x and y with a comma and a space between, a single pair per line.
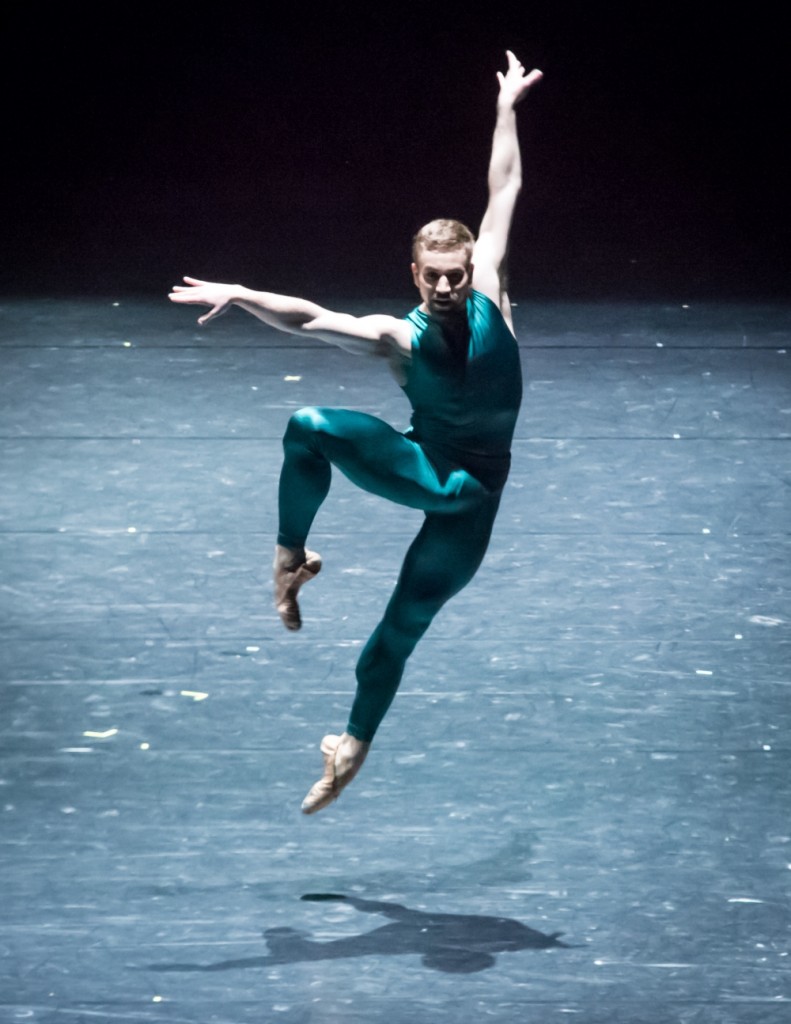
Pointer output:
442, 265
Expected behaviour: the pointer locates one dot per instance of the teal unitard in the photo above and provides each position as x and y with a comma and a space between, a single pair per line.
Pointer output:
452, 464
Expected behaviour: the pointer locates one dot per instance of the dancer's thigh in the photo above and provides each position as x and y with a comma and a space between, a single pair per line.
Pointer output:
379, 459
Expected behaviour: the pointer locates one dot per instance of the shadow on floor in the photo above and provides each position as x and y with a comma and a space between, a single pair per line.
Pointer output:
454, 943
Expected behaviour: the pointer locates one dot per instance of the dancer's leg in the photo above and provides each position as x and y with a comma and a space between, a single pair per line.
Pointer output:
372, 455
442, 559
375, 457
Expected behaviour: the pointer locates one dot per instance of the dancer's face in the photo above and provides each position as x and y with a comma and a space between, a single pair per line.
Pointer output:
444, 280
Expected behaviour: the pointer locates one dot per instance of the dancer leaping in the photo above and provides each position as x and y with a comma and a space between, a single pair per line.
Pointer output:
456, 359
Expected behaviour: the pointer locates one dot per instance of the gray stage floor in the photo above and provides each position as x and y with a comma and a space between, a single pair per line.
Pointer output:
592, 739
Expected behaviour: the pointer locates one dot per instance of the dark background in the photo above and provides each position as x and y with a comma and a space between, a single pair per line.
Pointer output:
299, 150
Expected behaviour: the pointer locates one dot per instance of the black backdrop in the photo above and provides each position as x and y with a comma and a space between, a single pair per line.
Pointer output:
300, 150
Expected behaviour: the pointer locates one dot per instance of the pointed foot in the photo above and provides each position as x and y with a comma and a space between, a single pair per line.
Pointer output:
343, 758
292, 571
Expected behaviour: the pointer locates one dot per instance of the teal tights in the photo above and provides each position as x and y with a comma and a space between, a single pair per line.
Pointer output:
441, 560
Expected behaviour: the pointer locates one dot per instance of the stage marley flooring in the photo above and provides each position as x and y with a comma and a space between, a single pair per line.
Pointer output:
578, 807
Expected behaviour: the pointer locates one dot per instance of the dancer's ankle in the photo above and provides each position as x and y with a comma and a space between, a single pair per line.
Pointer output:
289, 558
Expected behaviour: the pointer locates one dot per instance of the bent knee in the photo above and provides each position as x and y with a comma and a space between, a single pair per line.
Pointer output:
309, 418
304, 425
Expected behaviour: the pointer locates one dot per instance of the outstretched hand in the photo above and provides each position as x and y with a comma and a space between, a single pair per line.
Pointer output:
204, 293
515, 83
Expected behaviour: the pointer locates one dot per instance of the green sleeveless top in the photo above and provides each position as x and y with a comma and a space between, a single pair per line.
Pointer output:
465, 400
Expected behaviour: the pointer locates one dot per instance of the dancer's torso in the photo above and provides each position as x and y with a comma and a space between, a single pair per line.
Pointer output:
465, 398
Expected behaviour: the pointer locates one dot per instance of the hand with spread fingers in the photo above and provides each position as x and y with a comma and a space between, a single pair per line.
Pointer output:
515, 83
205, 293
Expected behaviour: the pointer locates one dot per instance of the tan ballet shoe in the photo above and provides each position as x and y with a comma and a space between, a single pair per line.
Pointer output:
288, 578
343, 758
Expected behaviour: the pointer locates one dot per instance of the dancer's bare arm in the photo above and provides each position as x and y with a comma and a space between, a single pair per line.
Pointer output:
379, 334
505, 182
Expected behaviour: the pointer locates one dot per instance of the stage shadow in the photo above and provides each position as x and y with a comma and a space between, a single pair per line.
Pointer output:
453, 943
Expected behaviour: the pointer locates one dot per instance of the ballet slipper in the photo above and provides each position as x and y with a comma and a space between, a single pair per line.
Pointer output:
343, 758
289, 576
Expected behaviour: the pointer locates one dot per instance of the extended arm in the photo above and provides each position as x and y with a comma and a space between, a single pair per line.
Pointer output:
505, 182
374, 335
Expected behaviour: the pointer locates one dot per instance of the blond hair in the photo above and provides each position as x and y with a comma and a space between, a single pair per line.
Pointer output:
443, 235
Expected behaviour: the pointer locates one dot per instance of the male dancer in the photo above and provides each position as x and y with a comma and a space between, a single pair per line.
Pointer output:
456, 359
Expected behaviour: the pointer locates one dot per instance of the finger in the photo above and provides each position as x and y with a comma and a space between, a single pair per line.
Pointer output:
534, 76
213, 312
183, 294
193, 280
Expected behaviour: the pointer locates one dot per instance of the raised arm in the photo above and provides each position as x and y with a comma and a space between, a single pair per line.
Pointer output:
505, 182
379, 335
